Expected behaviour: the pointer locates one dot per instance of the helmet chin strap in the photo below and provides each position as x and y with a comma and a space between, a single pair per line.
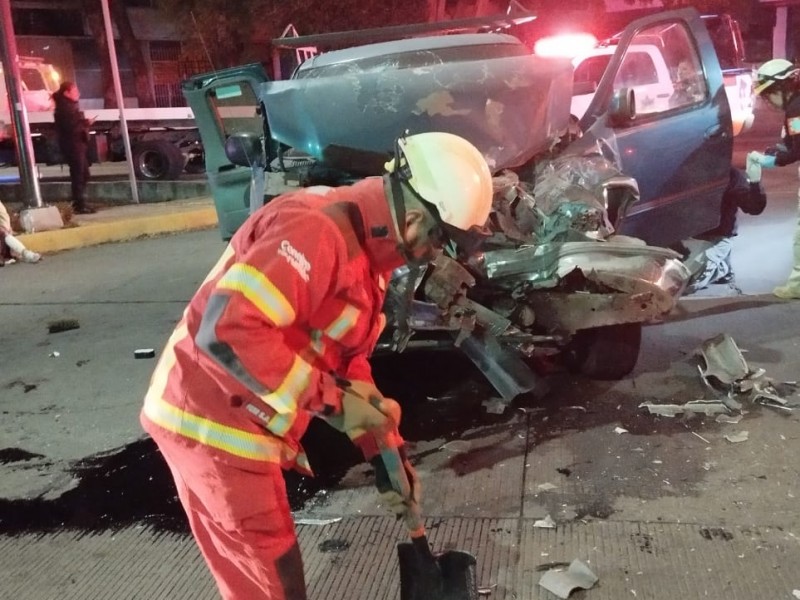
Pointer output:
398, 209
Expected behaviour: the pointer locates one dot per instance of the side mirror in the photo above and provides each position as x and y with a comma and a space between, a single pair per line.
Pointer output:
245, 149
622, 110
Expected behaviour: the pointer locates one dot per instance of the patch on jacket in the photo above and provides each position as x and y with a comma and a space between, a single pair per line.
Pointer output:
793, 125
296, 259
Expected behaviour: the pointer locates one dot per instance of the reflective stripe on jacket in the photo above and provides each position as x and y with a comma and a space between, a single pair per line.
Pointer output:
294, 302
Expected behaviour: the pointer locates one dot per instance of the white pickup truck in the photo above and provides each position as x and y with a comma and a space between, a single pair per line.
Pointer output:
663, 81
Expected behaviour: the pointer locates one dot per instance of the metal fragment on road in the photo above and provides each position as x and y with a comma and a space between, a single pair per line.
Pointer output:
563, 583
546, 523
731, 420
706, 407
620, 430
495, 406
724, 363
317, 522
546, 486
735, 438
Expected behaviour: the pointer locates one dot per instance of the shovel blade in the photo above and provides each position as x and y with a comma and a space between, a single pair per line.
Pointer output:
449, 576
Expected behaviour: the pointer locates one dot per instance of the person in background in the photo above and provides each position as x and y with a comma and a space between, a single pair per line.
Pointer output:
778, 82
10, 246
280, 332
713, 265
72, 129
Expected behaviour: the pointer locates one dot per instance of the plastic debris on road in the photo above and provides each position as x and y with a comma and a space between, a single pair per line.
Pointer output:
562, 583
735, 438
546, 523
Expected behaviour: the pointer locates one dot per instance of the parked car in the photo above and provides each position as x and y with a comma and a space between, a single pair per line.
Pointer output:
574, 267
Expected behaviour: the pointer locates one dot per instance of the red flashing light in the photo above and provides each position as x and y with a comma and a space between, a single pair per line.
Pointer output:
566, 45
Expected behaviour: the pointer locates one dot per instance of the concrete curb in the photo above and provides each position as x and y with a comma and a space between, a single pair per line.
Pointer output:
131, 227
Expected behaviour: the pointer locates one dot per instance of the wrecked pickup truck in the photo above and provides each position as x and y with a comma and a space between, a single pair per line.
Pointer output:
574, 266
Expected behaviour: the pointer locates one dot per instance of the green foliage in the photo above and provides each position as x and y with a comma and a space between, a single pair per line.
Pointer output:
231, 32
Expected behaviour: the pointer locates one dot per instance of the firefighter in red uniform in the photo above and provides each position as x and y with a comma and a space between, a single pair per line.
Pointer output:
280, 332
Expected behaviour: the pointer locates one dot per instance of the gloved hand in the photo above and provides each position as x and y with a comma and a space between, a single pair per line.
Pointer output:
753, 169
399, 486
765, 160
367, 417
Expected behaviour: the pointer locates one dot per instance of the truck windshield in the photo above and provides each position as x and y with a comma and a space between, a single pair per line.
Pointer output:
32, 79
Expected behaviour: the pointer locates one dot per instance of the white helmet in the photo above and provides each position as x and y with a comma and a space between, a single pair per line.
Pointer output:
773, 71
448, 172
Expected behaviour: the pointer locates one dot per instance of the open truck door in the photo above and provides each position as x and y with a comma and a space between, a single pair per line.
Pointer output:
687, 125
225, 103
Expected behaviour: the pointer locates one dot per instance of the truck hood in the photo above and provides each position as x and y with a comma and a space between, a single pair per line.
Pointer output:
510, 107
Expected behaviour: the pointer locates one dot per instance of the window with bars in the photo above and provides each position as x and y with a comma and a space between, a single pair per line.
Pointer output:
170, 66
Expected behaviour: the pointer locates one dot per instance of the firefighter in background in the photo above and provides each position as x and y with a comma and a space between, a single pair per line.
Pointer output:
280, 332
778, 82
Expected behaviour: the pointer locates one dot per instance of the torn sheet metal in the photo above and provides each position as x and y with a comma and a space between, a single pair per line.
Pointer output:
546, 523
722, 363
705, 407
563, 583
736, 438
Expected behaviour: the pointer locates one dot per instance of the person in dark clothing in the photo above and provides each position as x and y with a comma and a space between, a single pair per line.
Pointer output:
778, 82
711, 262
72, 129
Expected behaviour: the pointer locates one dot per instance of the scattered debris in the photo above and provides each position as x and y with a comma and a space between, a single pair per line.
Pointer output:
545, 487
735, 438
317, 522
55, 354
620, 430
723, 361
546, 523
495, 406
796, 593
455, 446
144, 353
62, 325
701, 437
706, 407
486, 591
563, 583
334, 545
732, 420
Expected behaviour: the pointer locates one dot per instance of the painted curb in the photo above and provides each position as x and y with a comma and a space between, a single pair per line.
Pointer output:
91, 234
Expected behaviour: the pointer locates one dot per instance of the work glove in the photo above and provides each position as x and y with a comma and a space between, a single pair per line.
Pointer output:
765, 160
399, 487
367, 417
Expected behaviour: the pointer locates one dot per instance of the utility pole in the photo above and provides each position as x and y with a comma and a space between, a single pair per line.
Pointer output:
126, 138
19, 114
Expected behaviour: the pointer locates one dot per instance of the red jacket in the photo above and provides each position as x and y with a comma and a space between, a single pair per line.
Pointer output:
294, 302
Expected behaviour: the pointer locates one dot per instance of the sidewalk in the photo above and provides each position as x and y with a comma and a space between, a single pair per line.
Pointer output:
126, 222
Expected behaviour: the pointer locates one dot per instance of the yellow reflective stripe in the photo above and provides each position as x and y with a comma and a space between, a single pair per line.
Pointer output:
343, 323
221, 264
231, 440
260, 291
210, 433
284, 399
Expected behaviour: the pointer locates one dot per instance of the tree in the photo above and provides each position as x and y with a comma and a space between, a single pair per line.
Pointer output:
130, 45
224, 31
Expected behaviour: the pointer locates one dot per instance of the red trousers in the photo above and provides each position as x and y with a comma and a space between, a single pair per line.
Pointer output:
241, 521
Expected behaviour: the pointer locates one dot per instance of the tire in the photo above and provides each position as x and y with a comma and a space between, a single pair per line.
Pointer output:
606, 353
157, 160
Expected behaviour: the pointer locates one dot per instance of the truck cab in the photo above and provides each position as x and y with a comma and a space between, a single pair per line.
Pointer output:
39, 81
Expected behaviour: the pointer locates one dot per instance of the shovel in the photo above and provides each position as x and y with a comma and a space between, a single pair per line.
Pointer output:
423, 576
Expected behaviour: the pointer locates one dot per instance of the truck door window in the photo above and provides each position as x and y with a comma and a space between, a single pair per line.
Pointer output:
236, 109
663, 68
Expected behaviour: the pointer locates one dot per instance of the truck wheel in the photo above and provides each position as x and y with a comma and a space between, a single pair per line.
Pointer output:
606, 353
157, 159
